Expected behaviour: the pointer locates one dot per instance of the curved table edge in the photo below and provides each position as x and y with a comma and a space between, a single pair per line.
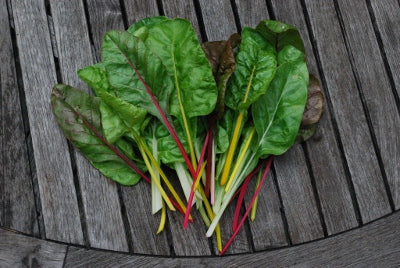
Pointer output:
375, 243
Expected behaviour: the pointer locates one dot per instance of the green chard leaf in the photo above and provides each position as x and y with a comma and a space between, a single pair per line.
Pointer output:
124, 54
78, 115
176, 43
118, 116
141, 28
277, 114
280, 34
255, 68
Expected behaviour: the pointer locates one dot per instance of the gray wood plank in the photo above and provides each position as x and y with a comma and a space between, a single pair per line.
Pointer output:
387, 19
138, 210
143, 225
376, 244
100, 199
103, 16
52, 159
182, 9
18, 210
347, 107
330, 178
267, 229
136, 10
297, 196
218, 18
251, 12
18, 250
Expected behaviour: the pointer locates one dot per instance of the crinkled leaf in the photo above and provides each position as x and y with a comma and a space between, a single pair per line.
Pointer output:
222, 60
280, 34
255, 68
78, 115
122, 53
277, 114
313, 111
141, 28
121, 116
176, 43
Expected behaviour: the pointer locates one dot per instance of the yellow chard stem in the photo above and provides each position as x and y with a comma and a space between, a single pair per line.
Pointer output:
240, 159
153, 175
231, 151
254, 207
163, 219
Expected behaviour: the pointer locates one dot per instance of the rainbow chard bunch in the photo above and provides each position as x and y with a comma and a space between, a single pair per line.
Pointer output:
215, 113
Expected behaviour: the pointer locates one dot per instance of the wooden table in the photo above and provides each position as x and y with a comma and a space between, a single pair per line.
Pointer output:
340, 191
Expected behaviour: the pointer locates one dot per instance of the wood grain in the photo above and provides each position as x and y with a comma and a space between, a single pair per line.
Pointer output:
52, 159
218, 19
18, 250
376, 244
136, 10
387, 19
251, 12
18, 210
347, 107
100, 200
329, 173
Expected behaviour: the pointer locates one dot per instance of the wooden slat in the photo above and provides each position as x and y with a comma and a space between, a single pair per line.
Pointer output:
100, 200
182, 9
387, 19
52, 159
328, 171
348, 110
18, 209
105, 16
376, 244
137, 9
251, 12
297, 196
218, 18
18, 250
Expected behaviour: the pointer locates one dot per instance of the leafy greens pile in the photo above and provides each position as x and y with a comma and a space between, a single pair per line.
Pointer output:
215, 113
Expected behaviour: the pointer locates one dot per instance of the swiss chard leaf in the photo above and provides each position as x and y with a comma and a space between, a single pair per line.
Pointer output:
255, 68
280, 34
78, 115
123, 116
277, 114
124, 54
176, 43
141, 28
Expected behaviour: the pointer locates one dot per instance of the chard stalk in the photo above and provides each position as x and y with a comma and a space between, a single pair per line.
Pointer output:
264, 176
163, 218
254, 207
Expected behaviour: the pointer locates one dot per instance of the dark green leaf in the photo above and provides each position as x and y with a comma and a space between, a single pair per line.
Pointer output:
78, 115
255, 68
141, 28
122, 53
277, 114
280, 34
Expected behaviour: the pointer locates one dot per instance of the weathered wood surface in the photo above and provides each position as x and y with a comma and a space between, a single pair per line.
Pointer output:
18, 210
323, 151
345, 176
376, 244
51, 156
